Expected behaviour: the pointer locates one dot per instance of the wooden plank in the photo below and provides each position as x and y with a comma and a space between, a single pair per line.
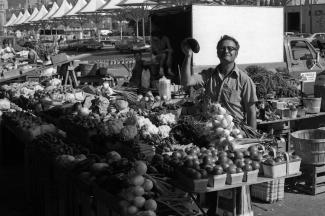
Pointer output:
319, 169
319, 189
320, 179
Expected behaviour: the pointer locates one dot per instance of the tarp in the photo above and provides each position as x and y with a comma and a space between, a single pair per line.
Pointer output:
111, 5
24, 18
78, 6
20, 15
42, 12
11, 20
64, 8
52, 11
137, 3
92, 6
35, 12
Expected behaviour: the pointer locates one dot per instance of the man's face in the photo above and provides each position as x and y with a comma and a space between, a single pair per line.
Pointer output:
227, 51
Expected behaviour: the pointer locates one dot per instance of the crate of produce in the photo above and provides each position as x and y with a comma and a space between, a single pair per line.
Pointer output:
217, 180
250, 176
235, 178
274, 167
191, 184
268, 191
313, 177
310, 146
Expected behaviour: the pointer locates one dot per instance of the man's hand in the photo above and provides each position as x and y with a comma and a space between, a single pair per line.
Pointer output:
186, 49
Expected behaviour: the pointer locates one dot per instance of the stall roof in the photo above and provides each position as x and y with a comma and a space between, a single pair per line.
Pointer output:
112, 5
78, 6
136, 3
11, 20
52, 11
35, 12
64, 8
24, 18
20, 15
92, 6
42, 12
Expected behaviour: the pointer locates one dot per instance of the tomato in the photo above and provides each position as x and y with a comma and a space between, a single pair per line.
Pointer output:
248, 167
256, 165
232, 169
239, 154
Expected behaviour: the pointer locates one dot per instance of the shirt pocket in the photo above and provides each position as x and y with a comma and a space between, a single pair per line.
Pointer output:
235, 96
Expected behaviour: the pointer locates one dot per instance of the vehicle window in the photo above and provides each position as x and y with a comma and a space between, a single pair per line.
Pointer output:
301, 51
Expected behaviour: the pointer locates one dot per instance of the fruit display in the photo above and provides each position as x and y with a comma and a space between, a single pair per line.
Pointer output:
137, 198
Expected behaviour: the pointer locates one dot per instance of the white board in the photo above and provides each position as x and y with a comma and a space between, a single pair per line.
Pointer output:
259, 31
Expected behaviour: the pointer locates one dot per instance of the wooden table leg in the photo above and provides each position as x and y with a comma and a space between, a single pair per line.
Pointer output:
234, 200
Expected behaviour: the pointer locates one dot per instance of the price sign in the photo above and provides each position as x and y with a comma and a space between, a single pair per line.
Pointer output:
308, 77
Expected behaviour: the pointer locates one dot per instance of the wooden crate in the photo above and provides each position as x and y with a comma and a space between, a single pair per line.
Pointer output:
269, 192
313, 179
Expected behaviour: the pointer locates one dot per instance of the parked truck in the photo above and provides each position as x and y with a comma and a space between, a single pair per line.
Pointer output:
259, 30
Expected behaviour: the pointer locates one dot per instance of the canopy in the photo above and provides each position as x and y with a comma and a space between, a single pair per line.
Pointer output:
64, 8
52, 11
137, 3
92, 6
24, 18
78, 6
112, 5
35, 12
11, 20
42, 12
20, 15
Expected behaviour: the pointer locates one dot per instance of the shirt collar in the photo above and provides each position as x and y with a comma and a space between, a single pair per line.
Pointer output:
235, 71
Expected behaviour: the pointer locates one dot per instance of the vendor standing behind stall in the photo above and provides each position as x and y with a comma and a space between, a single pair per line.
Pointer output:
32, 54
226, 84
229, 86
7, 48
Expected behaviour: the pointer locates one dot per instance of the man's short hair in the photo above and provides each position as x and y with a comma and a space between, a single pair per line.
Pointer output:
227, 37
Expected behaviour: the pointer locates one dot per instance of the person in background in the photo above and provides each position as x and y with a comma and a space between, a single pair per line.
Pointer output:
7, 48
228, 85
135, 79
162, 52
32, 56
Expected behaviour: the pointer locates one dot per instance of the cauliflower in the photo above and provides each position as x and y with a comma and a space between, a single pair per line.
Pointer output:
129, 132
163, 131
121, 104
55, 82
115, 126
167, 119
149, 130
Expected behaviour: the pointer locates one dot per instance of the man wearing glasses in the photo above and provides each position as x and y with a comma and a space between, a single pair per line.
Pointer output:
226, 83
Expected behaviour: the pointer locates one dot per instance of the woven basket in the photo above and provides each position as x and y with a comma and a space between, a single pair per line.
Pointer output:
310, 146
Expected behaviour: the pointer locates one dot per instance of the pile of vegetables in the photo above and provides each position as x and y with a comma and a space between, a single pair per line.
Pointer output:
267, 82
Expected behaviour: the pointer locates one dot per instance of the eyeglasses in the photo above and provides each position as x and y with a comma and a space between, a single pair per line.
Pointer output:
229, 48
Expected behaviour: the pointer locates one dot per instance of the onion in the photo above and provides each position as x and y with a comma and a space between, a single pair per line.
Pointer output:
229, 118
219, 131
84, 111
216, 123
226, 133
219, 117
222, 111
224, 123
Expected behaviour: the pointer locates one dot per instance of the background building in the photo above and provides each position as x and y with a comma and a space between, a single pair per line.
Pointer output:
3, 18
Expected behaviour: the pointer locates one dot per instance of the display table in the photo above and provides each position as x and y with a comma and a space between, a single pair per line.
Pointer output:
233, 187
283, 127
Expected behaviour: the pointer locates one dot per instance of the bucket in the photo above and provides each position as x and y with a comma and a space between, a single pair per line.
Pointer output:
88, 69
312, 105
310, 145
319, 88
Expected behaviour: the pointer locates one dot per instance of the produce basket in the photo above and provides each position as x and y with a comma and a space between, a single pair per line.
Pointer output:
217, 180
236, 178
250, 176
274, 170
269, 191
310, 145
193, 185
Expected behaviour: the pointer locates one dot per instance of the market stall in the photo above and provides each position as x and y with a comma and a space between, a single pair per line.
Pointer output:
130, 151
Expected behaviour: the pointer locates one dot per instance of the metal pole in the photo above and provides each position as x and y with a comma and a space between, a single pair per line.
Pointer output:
300, 13
311, 15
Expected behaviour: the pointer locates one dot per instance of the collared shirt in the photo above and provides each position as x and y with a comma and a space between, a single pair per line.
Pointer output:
235, 92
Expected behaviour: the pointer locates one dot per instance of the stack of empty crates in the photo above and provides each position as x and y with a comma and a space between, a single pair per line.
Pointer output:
269, 191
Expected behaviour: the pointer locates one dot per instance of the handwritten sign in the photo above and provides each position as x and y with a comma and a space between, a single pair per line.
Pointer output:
308, 76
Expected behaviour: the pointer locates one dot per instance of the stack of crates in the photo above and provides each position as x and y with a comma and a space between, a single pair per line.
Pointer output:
269, 192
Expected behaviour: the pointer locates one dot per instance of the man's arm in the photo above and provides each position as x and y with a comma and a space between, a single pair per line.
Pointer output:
187, 77
251, 115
